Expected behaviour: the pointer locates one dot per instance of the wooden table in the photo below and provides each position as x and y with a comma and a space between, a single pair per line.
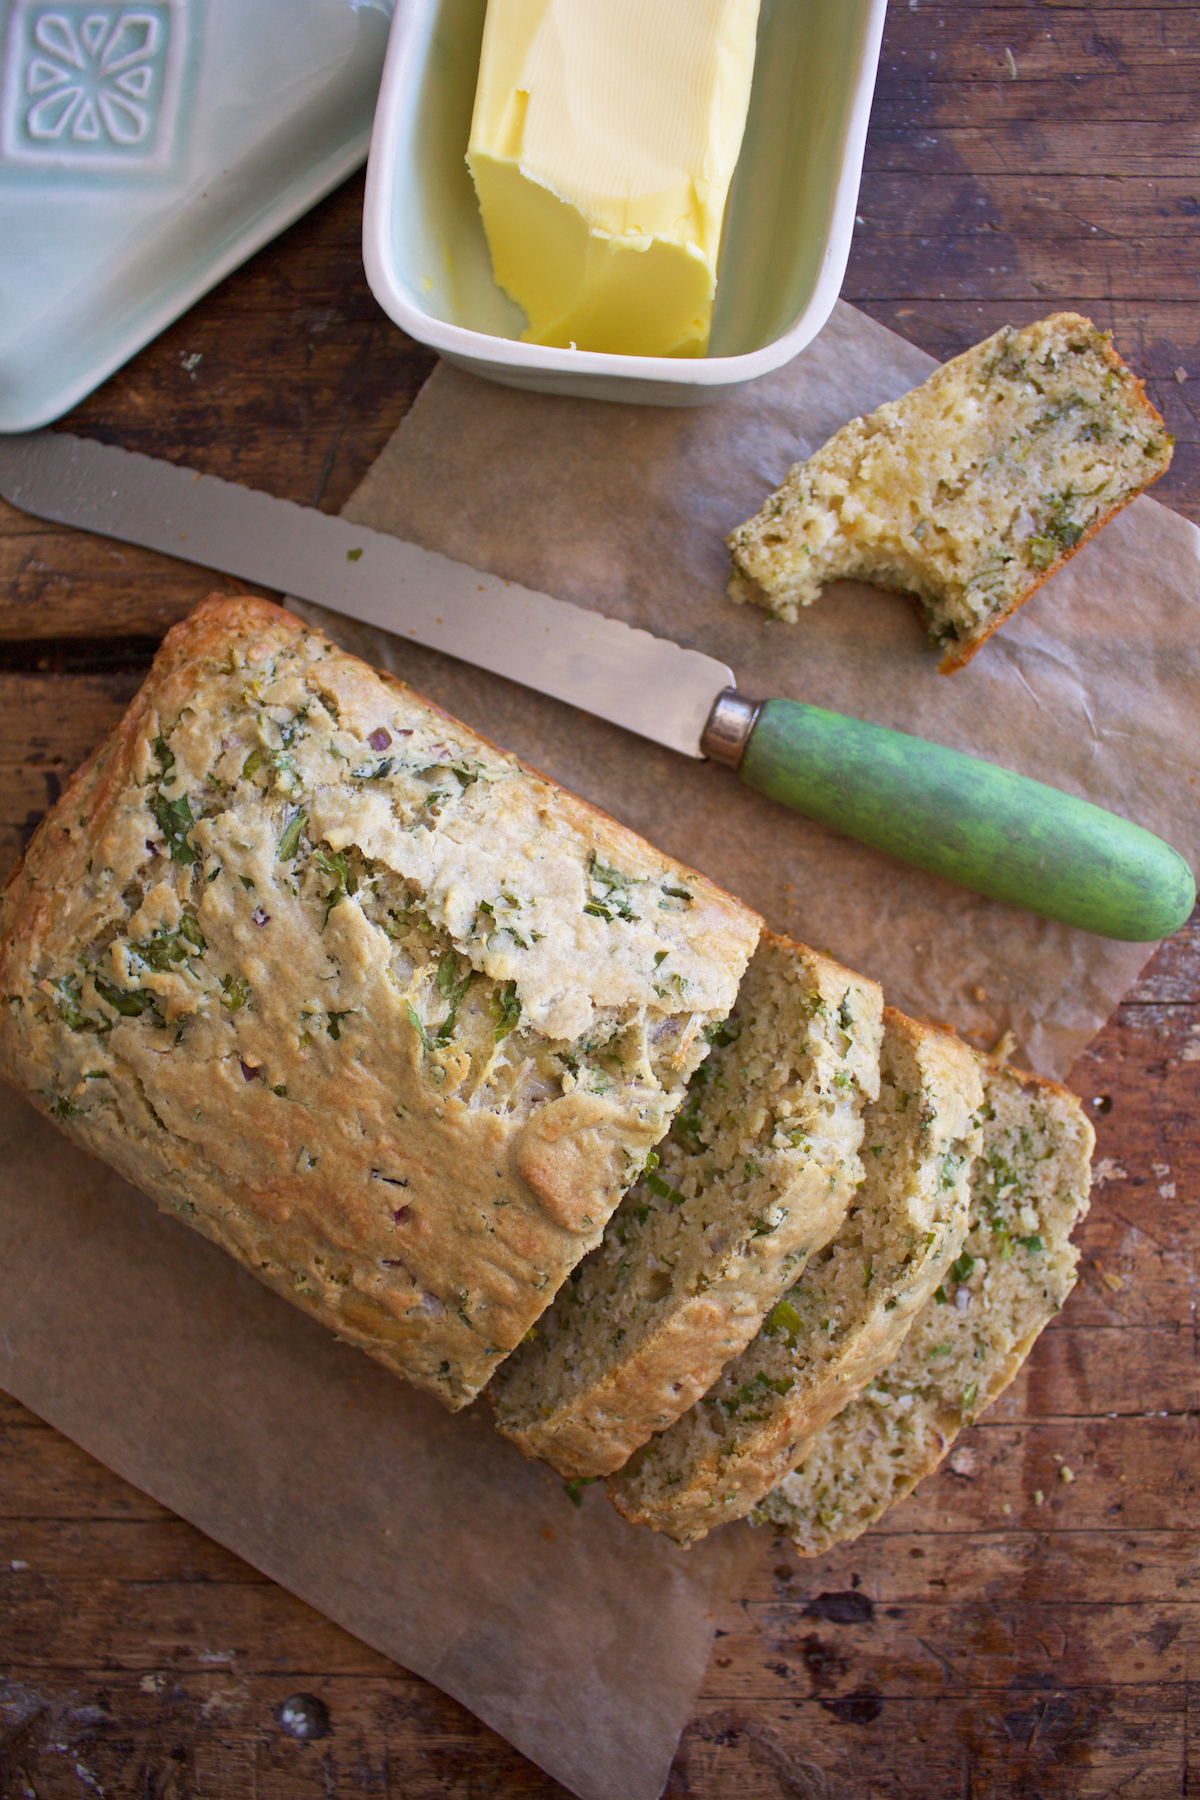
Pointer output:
1010, 1631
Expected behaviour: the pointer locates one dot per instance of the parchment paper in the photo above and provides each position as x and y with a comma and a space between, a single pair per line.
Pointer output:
583, 1640
1094, 686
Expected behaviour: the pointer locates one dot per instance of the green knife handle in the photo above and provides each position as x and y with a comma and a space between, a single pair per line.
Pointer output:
984, 827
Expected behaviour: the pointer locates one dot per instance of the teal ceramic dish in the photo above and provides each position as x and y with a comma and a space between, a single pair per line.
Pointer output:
148, 148
787, 228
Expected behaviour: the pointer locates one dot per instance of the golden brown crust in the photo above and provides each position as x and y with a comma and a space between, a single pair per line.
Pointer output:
275, 990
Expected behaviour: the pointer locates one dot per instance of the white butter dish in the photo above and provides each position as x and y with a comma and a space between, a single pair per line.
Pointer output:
787, 228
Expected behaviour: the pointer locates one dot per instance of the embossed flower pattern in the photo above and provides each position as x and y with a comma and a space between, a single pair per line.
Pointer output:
92, 78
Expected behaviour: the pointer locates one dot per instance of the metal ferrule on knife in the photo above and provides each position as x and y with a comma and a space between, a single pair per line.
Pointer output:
727, 731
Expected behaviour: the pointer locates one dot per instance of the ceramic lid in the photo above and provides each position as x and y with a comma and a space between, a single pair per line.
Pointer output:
148, 148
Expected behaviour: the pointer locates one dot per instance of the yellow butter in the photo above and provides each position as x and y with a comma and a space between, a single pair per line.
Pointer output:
602, 146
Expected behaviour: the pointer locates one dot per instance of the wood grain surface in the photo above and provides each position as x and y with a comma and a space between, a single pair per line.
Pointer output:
1027, 1624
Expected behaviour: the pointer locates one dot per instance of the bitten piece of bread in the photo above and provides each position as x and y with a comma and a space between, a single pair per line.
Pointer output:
967, 492
389, 1016
755, 1177
1029, 1188
846, 1316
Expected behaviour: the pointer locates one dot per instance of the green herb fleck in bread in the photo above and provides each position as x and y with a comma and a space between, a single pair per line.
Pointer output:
967, 492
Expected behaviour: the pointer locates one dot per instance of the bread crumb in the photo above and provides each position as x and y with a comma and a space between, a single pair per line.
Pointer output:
1038, 1497
1066, 1474
967, 492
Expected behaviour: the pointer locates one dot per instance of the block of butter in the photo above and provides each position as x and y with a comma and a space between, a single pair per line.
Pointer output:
603, 142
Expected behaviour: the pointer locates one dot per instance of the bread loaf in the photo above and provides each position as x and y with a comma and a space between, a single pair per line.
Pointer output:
1029, 1188
967, 492
846, 1316
754, 1178
387, 1015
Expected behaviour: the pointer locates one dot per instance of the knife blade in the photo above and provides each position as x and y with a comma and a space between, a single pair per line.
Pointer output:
646, 684
954, 815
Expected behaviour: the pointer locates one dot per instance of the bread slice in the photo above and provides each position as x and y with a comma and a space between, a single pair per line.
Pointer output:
755, 1177
844, 1320
1029, 1188
389, 1016
967, 492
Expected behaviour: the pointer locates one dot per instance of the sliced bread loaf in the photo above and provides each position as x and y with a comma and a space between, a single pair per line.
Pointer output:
1029, 1188
967, 492
845, 1318
389, 1016
756, 1176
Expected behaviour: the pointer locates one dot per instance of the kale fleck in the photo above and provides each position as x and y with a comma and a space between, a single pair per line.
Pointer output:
451, 991
756, 1391
962, 1267
130, 1004
345, 879
686, 1129
613, 900
69, 1001
783, 1321
725, 1031
657, 1185
289, 843
1059, 533
164, 948
174, 819
505, 1009
414, 1019
235, 991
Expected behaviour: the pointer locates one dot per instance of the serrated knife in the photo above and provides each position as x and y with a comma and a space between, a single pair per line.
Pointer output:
970, 821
